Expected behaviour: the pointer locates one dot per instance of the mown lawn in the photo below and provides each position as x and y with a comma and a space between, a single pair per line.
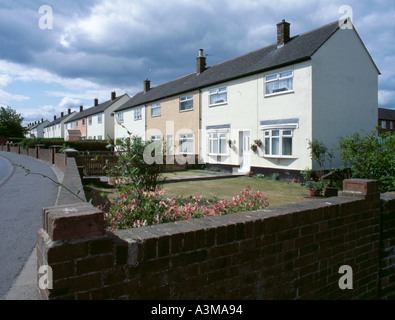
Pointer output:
278, 192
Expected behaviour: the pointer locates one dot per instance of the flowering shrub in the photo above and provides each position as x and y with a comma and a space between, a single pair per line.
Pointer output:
135, 209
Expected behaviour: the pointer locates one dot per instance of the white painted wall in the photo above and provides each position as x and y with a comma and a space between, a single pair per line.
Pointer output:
95, 130
106, 128
247, 106
345, 89
136, 127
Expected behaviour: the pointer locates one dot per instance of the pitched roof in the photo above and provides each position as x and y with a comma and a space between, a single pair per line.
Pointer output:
59, 120
299, 48
386, 114
101, 107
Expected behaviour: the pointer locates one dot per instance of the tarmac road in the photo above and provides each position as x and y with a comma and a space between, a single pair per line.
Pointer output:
21, 201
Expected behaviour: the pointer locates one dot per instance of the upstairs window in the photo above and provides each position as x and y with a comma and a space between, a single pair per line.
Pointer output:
89, 121
138, 114
100, 118
156, 110
120, 117
279, 82
218, 96
186, 103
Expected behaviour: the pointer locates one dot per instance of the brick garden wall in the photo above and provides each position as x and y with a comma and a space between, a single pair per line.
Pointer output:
291, 252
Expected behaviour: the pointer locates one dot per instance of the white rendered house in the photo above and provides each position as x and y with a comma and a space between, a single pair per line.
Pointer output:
100, 118
302, 88
55, 129
129, 120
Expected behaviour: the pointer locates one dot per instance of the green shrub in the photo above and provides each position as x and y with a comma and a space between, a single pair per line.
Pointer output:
370, 157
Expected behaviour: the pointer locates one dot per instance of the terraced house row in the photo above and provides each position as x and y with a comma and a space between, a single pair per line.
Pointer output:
322, 84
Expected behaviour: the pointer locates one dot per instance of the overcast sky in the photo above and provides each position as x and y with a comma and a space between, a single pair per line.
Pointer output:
97, 46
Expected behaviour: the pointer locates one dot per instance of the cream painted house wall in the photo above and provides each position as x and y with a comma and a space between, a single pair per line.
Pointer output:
173, 122
247, 106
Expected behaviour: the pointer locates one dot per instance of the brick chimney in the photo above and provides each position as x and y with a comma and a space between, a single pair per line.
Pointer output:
54, 117
61, 114
147, 85
96, 101
282, 33
81, 108
69, 111
113, 95
200, 62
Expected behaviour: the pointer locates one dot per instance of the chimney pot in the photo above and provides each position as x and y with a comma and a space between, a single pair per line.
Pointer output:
113, 95
283, 33
147, 85
96, 102
200, 62
81, 108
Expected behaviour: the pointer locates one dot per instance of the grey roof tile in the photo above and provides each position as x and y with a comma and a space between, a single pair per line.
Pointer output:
297, 49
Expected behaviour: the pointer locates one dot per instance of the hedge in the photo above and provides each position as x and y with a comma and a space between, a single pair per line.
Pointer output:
80, 145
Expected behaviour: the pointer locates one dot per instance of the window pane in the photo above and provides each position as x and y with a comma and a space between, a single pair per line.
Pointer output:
267, 145
275, 146
285, 74
271, 77
287, 146
276, 133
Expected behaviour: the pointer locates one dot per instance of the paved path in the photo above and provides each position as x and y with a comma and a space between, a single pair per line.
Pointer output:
21, 201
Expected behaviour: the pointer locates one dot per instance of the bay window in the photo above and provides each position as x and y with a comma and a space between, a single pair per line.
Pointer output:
218, 143
278, 142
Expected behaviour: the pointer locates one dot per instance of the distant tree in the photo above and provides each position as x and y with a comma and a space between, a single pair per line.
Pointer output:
11, 123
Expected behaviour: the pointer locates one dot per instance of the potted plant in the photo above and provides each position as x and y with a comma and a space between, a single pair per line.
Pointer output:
258, 142
313, 187
254, 147
230, 143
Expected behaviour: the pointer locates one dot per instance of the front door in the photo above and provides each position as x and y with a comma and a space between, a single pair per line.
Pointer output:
245, 160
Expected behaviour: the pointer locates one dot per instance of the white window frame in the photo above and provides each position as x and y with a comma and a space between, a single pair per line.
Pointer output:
100, 118
277, 78
391, 125
120, 117
89, 121
218, 136
283, 133
218, 92
185, 103
156, 106
138, 113
83, 122
188, 147
383, 124
76, 123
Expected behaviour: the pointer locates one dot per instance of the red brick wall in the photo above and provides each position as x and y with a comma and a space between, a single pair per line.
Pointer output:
291, 252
